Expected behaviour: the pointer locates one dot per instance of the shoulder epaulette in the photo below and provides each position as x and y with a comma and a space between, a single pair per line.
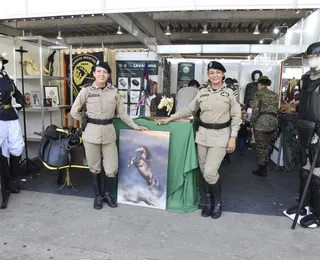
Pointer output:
87, 85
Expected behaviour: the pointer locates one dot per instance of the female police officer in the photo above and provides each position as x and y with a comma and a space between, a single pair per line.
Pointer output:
103, 102
220, 119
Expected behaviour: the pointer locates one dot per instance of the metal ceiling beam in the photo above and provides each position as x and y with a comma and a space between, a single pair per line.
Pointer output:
98, 40
230, 48
243, 16
10, 31
145, 22
218, 36
66, 22
126, 23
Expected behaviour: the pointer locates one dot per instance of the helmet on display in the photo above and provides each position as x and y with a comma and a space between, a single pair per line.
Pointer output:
311, 58
313, 50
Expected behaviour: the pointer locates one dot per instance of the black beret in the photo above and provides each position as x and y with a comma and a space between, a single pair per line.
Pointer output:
103, 64
216, 65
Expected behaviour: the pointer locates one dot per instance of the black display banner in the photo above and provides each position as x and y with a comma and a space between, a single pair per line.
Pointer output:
131, 81
82, 67
185, 74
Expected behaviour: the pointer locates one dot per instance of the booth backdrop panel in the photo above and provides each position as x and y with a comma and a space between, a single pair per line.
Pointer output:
182, 192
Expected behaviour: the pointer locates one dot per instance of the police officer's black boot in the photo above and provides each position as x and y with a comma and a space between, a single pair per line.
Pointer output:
98, 199
217, 202
261, 171
107, 192
206, 210
202, 193
15, 171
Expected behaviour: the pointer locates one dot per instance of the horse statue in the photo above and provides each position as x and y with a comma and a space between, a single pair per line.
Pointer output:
166, 102
143, 163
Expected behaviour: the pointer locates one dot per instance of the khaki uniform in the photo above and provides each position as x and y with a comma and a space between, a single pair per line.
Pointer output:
101, 104
217, 107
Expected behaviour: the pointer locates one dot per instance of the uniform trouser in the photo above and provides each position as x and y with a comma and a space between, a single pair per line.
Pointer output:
210, 159
263, 140
13, 143
110, 157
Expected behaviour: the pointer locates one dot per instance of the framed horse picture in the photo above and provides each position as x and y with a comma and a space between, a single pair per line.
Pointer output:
143, 168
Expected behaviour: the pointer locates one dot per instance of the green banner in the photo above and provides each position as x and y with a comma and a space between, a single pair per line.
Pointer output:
185, 74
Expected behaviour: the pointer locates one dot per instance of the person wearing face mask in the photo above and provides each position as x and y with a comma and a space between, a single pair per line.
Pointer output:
251, 88
10, 130
309, 133
220, 119
102, 102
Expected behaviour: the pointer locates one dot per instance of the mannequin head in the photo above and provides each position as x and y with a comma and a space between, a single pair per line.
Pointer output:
255, 75
3, 61
313, 56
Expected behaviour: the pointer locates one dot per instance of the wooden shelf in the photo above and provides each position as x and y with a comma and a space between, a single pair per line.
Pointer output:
46, 109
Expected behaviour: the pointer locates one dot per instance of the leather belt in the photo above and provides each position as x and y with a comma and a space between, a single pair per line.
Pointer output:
100, 121
215, 126
7, 106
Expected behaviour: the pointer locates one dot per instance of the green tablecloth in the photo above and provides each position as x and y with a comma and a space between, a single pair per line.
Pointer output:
182, 186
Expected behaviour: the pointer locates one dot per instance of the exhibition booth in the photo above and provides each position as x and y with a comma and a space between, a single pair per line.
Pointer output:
50, 92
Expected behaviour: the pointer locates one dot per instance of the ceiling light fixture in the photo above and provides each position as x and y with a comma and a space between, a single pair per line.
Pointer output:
119, 30
205, 29
168, 30
266, 39
256, 30
297, 11
59, 37
276, 29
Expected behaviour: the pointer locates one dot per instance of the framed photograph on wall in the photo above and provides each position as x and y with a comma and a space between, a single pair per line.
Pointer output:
53, 93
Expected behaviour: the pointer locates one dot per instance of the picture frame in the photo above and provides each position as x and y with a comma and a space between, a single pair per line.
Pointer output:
47, 102
35, 98
53, 93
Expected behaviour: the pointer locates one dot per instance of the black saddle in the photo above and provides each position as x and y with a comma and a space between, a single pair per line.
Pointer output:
55, 146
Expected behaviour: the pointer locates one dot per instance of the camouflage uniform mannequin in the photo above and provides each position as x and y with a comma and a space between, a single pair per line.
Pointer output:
265, 122
220, 119
103, 102
251, 88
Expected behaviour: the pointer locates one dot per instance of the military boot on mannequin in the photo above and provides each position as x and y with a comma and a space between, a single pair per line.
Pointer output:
97, 194
303, 180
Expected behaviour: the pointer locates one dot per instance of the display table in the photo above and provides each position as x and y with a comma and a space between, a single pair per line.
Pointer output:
182, 186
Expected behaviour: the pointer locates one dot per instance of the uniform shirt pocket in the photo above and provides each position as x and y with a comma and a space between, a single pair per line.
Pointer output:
204, 102
93, 103
224, 102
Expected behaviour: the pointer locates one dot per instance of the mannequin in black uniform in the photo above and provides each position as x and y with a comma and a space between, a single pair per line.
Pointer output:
251, 88
309, 132
10, 131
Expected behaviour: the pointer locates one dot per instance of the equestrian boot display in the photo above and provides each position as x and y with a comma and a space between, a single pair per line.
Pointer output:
107, 192
12, 186
217, 202
261, 171
98, 199
202, 193
206, 211
5, 181
15, 171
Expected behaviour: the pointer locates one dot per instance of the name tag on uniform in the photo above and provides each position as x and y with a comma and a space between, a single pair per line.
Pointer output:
224, 94
93, 95
204, 95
